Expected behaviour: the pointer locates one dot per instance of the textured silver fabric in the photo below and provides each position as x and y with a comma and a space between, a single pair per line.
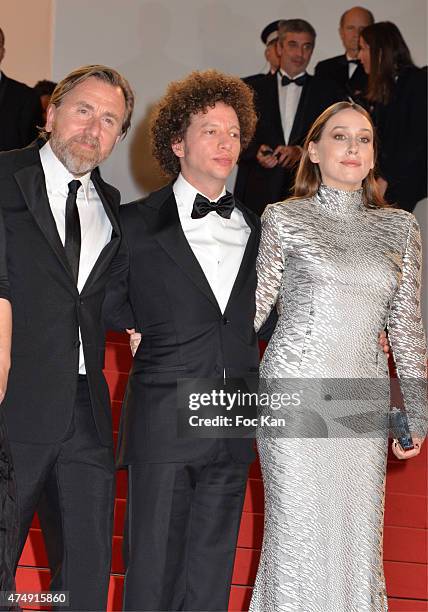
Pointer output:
338, 272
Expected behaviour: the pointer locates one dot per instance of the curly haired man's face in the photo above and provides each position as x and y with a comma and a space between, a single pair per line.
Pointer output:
210, 149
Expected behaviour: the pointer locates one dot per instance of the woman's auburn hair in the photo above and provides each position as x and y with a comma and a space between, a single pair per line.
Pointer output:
308, 177
194, 94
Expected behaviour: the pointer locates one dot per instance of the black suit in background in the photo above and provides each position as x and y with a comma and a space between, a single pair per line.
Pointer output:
336, 69
185, 495
8, 502
59, 423
257, 186
20, 114
402, 134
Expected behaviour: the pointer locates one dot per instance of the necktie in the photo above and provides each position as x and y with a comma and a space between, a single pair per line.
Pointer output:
72, 229
354, 61
223, 207
300, 81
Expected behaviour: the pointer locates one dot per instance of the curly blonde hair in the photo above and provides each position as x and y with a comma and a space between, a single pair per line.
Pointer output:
196, 93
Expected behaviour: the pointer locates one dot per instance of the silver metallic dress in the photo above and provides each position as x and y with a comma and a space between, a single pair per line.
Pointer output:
338, 273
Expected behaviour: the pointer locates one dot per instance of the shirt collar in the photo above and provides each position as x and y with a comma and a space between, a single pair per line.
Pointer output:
282, 73
185, 193
57, 176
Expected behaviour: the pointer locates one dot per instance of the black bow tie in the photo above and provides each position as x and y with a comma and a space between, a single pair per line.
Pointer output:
354, 61
223, 207
300, 81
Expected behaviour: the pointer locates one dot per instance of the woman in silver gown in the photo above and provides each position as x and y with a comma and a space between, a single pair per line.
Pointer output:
339, 266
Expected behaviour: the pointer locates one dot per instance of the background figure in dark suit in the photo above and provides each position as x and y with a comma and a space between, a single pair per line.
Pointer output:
185, 278
269, 38
44, 89
62, 230
397, 93
287, 105
8, 502
346, 70
20, 110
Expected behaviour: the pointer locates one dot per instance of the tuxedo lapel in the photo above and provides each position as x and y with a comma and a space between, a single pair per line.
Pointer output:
248, 259
107, 196
166, 228
272, 109
31, 181
299, 119
343, 70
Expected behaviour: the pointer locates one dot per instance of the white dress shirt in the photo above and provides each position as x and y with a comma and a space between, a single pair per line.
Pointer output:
94, 224
351, 67
289, 97
218, 244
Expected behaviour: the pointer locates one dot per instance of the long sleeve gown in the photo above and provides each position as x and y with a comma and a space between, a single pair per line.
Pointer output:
337, 272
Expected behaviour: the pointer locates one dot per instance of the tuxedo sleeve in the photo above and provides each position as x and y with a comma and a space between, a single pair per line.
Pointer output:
117, 311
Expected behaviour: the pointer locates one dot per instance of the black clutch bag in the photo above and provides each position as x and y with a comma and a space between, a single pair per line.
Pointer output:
399, 428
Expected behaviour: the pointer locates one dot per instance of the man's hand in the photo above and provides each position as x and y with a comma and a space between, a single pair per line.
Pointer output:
383, 342
288, 156
401, 454
265, 157
134, 340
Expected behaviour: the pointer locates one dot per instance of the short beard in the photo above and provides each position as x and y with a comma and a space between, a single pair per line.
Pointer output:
81, 163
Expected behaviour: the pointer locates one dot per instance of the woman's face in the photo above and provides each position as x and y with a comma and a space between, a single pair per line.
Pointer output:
344, 152
364, 55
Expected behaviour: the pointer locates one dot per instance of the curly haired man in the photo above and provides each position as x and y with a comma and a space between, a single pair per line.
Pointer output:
185, 278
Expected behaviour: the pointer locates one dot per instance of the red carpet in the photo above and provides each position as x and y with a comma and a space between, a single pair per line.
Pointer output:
406, 523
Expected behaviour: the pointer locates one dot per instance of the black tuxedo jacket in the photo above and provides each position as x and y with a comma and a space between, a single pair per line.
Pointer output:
48, 310
402, 134
158, 286
257, 186
20, 114
336, 69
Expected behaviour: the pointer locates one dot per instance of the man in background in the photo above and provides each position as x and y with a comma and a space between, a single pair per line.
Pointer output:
20, 110
44, 89
269, 37
287, 104
346, 70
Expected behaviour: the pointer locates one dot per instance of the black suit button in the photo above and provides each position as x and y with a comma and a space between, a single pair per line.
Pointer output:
77, 344
225, 321
81, 302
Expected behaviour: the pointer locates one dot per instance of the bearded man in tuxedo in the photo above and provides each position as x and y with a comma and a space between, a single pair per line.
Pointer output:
63, 231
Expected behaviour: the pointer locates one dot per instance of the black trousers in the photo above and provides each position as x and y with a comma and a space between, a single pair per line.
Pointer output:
181, 531
71, 485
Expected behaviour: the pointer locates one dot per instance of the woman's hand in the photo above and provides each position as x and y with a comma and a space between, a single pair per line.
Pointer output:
134, 340
4, 373
401, 454
5, 341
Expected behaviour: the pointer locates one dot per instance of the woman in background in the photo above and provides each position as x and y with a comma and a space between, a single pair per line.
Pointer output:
339, 265
397, 94
8, 509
